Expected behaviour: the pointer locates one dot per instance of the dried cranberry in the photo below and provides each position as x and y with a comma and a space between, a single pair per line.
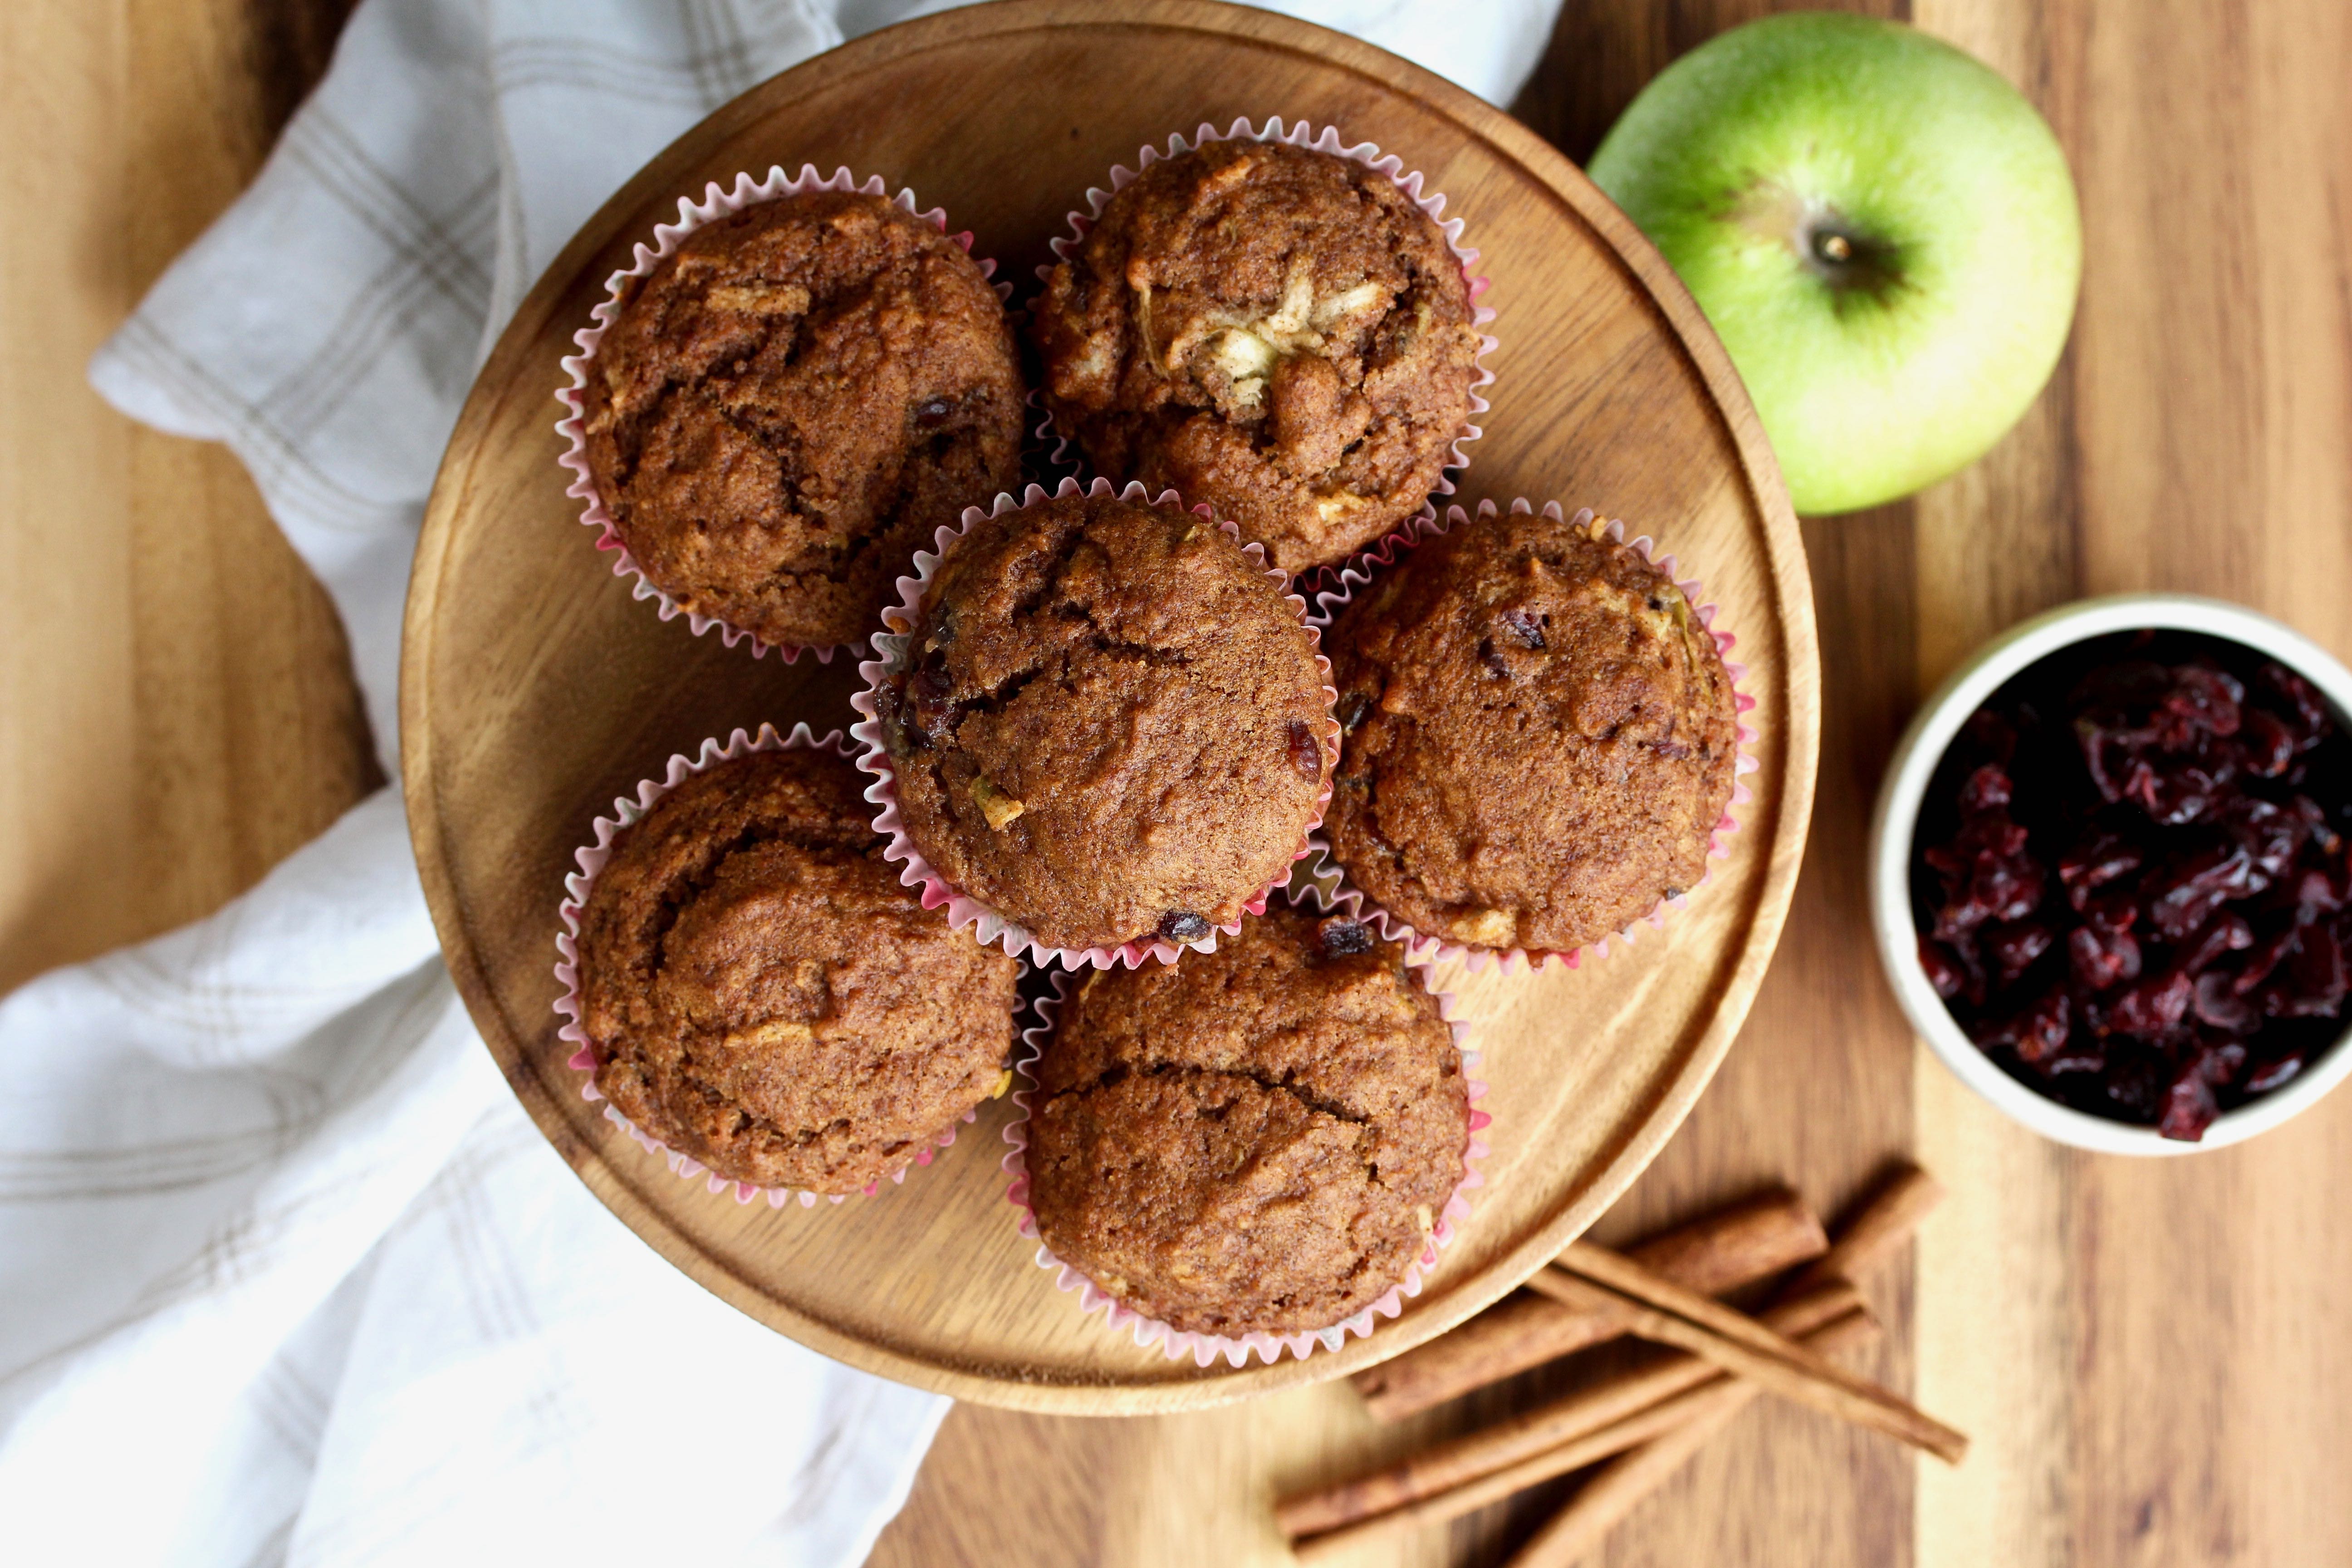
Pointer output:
2094, 862
2101, 960
2173, 795
2225, 932
2153, 1009
1341, 936
2188, 1105
2014, 949
2180, 897
2315, 983
1943, 971
2037, 1033
931, 413
2204, 699
2272, 1071
2117, 911
2268, 954
2320, 890
2217, 1003
1523, 627
2268, 745
1183, 925
1306, 751
2311, 723
1987, 789
2271, 836
929, 692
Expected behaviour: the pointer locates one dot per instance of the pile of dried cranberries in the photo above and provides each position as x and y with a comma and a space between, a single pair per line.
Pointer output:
2129, 878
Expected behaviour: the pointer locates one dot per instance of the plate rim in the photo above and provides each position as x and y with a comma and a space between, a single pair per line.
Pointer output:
1787, 581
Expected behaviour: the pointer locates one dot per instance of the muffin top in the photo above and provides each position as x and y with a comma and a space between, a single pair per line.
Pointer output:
1541, 740
760, 993
1277, 332
1114, 727
790, 404
1257, 1139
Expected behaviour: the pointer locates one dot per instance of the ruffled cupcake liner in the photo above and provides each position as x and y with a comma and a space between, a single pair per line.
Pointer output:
717, 202
890, 646
1323, 870
1061, 450
627, 811
1205, 1348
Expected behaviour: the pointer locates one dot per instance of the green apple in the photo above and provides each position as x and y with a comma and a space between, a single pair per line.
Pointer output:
1881, 230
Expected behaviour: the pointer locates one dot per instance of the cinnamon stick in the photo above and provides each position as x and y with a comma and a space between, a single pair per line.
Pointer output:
1894, 1211
1570, 1419
1718, 1252
1635, 1431
1614, 1489
1737, 1342
1887, 1220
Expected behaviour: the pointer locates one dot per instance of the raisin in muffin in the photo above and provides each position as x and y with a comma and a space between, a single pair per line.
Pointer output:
1277, 332
1540, 736
760, 993
1256, 1140
1114, 728
790, 404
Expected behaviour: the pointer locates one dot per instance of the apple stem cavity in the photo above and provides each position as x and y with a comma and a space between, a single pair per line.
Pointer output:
1856, 266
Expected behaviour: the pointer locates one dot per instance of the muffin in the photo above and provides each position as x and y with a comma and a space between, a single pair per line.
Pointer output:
1115, 727
1277, 332
790, 404
760, 993
1256, 1140
1540, 737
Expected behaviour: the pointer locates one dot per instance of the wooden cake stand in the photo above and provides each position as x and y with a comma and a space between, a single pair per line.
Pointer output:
534, 689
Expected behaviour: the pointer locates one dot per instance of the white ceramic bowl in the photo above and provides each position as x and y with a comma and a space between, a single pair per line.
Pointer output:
1898, 814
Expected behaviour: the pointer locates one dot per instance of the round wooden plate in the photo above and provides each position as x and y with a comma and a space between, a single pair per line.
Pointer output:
535, 689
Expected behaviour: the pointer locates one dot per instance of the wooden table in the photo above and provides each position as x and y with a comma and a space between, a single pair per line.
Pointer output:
2154, 1358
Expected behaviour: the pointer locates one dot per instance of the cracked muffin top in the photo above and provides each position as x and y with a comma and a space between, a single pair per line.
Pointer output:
1277, 332
1257, 1139
1113, 727
760, 993
792, 402
1540, 736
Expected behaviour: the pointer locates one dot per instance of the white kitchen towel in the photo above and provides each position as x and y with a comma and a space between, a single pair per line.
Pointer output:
285, 1275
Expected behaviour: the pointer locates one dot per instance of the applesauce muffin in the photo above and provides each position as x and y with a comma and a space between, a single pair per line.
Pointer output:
1256, 1140
1540, 736
761, 993
1277, 332
790, 404
1115, 727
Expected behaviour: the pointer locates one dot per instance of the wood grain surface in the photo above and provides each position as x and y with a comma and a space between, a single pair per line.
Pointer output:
178, 712
2155, 1360
535, 689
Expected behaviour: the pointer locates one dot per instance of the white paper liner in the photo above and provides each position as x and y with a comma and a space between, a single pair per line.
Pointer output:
1323, 870
1061, 450
717, 202
890, 644
626, 811
1205, 1348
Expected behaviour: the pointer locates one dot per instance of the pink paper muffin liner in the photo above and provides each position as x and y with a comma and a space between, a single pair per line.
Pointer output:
1061, 450
717, 202
627, 811
1323, 870
1205, 1348
963, 909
